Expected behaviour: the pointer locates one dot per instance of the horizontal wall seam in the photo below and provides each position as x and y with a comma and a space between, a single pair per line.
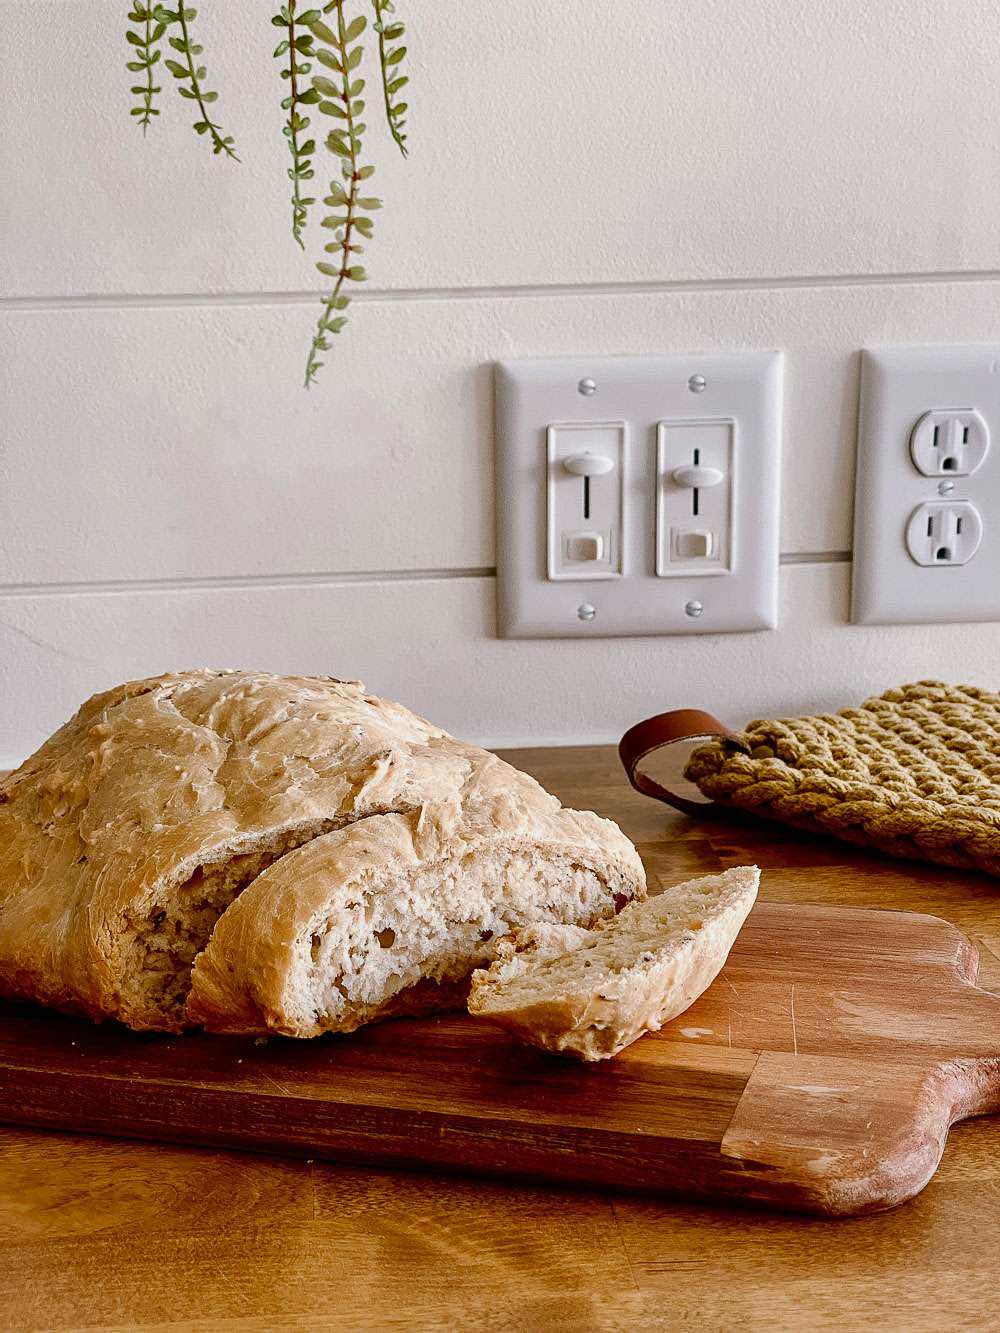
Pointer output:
816, 558
219, 582
168, 300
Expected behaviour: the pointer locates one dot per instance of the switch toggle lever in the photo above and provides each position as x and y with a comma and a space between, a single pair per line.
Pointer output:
588, 464
696, 476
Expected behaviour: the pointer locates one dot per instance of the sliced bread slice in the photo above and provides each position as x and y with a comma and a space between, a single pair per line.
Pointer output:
392, 914
590, 993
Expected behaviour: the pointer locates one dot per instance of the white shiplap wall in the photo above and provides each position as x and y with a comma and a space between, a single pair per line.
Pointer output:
775, 174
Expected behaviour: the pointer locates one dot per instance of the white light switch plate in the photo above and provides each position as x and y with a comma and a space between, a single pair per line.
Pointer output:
675, 558
927, 491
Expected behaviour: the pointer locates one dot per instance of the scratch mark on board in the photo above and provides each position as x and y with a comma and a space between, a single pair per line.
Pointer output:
274, 1083
795, 1039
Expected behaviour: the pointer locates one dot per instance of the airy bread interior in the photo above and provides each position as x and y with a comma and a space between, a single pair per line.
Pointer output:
591, 992
435, 926
166, 937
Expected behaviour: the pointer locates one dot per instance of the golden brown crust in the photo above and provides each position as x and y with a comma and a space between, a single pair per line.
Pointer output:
155, 778
245, 980
152, 784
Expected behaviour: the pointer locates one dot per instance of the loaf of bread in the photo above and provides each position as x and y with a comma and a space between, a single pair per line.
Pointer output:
257, 852
591, 993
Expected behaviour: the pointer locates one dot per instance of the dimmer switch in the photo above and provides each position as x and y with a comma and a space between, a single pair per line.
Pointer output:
585, 499
695, 462
637, 494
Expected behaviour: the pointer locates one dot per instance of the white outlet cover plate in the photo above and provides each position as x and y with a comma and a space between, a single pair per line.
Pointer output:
898, 386
641, 392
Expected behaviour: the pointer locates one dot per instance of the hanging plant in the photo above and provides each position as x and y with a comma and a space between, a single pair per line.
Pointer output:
333, 38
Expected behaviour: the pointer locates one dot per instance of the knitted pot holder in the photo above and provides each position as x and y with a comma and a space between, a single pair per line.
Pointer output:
914, 772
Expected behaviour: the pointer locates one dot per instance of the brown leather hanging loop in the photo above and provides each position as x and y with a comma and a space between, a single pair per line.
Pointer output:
683, 724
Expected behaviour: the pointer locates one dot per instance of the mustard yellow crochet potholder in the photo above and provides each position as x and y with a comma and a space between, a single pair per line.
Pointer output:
915, 772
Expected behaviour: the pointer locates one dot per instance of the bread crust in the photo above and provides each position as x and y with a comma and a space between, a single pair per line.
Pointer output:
595, 1016
248, 976
159, 780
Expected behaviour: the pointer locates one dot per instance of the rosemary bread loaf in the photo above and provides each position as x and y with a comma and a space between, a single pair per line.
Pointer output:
590, 993
133, 834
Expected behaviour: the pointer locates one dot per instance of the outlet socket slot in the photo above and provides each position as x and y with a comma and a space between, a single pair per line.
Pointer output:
949, 442
944, 533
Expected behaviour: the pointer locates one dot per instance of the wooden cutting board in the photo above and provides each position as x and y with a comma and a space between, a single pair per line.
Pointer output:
821, 1072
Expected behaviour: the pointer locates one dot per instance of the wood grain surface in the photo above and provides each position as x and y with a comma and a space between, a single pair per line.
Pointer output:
820, 1072
109, 1233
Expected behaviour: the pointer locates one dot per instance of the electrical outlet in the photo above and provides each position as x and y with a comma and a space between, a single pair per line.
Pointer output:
927, 491
944, 533
949, 443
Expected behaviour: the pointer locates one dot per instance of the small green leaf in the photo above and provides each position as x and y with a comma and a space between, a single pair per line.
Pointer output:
320, 30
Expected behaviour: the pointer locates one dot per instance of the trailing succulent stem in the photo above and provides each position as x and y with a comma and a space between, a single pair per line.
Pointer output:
341, 99
190, 78
144, 42
306, 38
393, 80
297, 44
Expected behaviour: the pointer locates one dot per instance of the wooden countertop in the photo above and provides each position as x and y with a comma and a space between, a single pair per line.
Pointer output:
108, 1233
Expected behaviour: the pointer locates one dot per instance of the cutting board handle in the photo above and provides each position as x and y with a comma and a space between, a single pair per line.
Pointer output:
663, 730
